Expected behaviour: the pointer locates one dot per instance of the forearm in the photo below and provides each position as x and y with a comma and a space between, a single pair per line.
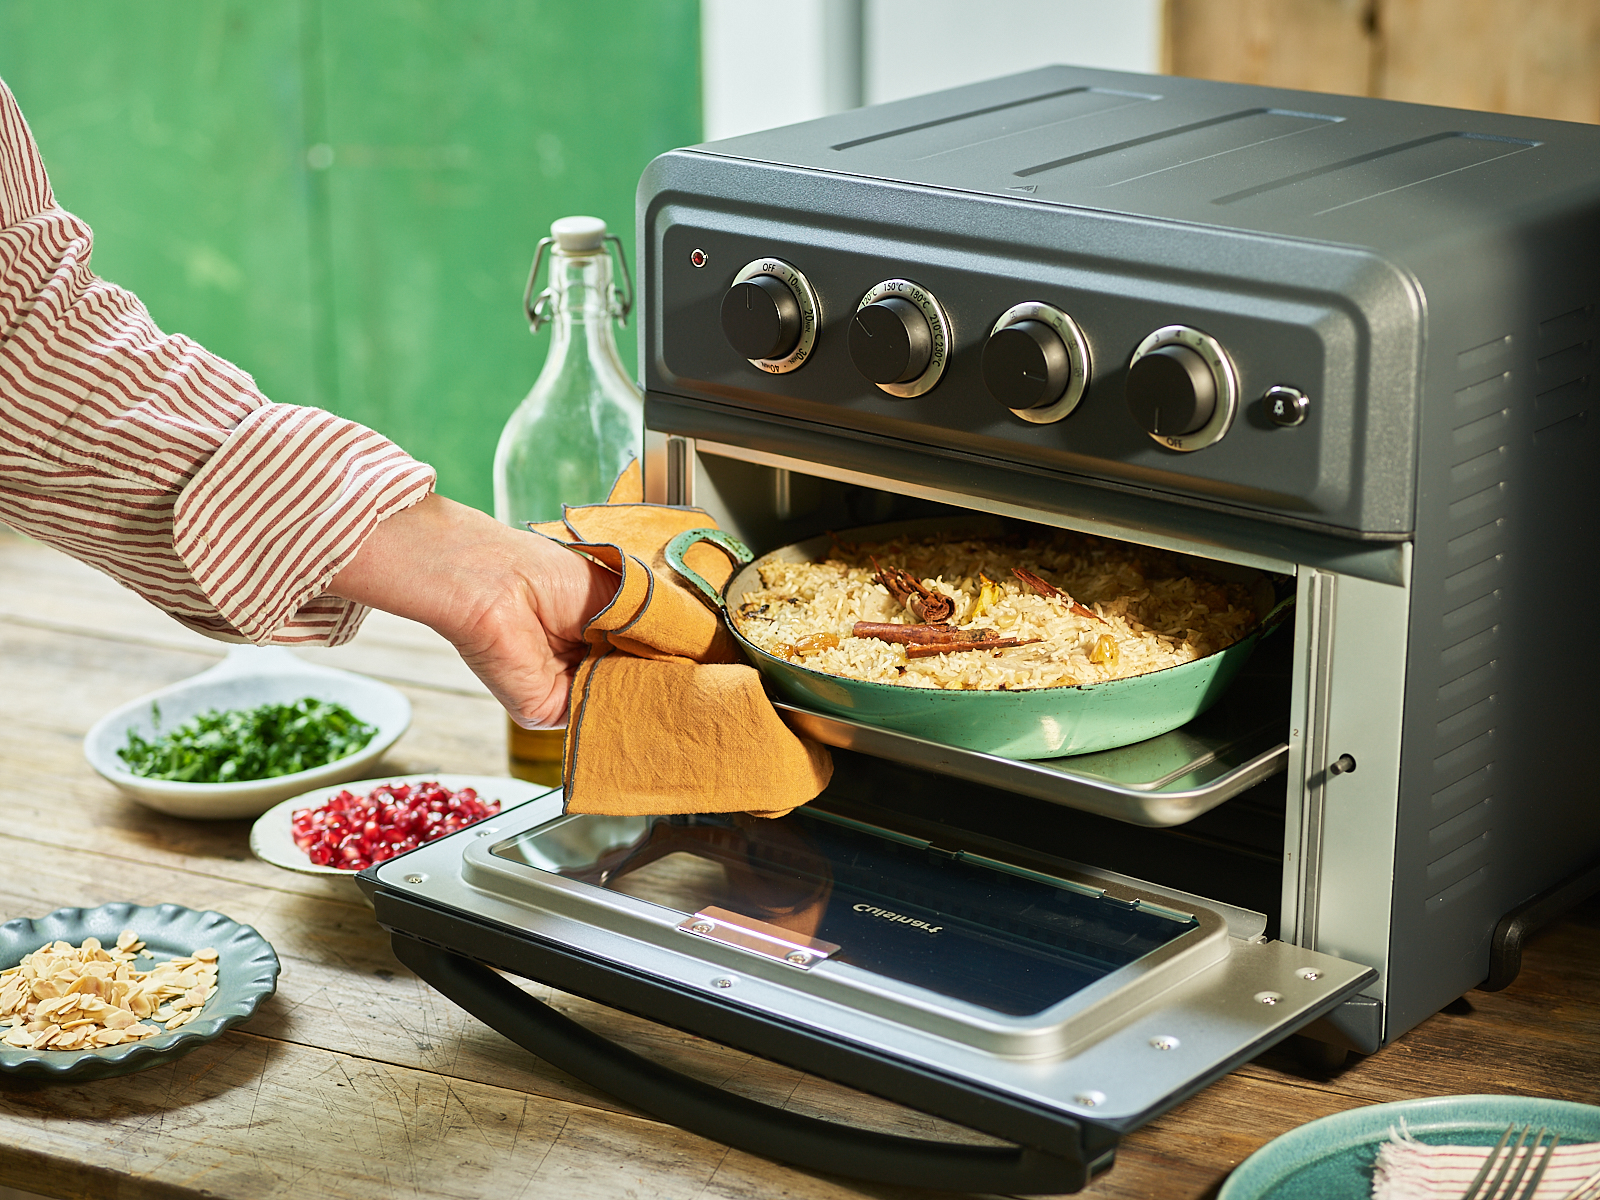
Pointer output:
161, 464
430, 563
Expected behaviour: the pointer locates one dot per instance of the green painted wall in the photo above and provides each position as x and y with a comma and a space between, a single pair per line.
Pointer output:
343, 196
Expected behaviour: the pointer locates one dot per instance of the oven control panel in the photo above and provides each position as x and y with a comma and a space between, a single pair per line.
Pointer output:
1127, 370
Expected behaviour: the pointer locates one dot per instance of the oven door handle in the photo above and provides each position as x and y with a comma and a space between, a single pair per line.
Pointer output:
726, 1117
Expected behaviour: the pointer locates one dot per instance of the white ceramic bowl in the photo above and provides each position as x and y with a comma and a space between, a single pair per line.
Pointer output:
272, 836
249, 677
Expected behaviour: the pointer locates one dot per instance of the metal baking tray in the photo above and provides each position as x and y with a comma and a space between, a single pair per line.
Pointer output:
1167, 780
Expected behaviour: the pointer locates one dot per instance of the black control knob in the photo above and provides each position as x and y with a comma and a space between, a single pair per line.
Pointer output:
761, 318
890, 341
1171, 391
1026, 365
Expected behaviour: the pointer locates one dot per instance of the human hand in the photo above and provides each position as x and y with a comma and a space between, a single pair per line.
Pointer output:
512, 603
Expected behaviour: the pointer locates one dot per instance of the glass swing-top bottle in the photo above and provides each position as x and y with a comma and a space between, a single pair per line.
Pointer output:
579, 426
584, 419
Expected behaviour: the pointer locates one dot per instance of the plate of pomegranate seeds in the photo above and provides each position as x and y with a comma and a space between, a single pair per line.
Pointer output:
342, 830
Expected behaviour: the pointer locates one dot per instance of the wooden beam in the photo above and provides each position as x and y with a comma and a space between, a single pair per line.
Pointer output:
1538, 58
1314, 45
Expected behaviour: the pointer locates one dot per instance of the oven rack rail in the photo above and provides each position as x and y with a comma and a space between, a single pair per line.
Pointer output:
1164, 781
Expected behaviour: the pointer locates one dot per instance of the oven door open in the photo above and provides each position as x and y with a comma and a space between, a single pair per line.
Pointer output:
1056, 1011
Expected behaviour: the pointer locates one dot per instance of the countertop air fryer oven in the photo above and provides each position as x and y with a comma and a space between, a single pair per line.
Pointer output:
1348, 343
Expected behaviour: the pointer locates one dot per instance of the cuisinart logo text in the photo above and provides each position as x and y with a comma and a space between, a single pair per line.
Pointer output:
903, 920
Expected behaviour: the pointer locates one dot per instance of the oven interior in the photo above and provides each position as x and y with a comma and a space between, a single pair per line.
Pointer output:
1109, 809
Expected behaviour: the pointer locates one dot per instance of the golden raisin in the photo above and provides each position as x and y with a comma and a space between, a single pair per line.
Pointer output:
1105, 651
815, 643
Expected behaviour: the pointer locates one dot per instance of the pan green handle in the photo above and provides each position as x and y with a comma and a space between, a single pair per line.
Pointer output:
731, 546
1280, 613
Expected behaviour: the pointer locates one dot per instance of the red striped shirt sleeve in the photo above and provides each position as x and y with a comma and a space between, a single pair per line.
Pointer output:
148, 457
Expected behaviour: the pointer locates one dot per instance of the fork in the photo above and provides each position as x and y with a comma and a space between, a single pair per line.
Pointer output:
1505, 1162
1589, 1189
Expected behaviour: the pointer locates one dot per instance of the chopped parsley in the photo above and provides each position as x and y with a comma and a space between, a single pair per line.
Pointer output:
238, 745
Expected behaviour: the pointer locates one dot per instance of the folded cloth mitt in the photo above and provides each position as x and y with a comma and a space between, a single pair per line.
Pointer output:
666, 717
1411, 1170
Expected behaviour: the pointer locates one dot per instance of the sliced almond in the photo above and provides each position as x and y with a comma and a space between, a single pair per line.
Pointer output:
63, 997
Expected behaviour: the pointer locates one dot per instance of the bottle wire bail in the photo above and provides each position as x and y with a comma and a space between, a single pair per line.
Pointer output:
541, 310
625, 306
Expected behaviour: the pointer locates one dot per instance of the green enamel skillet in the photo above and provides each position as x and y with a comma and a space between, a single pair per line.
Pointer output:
1035, 723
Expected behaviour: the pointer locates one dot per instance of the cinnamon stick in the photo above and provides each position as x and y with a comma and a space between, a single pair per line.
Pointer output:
1048, 589
905, 587
928, 650
915, 635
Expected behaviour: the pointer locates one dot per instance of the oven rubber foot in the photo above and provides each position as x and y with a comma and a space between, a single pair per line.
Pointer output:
1505, 946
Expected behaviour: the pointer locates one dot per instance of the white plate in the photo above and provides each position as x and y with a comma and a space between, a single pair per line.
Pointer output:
272, 836
249, 677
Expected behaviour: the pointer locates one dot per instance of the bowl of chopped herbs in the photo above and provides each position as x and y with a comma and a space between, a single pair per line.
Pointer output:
259, 727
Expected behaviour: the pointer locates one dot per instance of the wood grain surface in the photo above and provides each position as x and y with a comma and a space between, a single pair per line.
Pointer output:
356, 1080
1538, 58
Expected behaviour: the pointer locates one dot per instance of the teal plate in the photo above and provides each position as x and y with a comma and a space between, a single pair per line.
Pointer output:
247, 973
1332, 1159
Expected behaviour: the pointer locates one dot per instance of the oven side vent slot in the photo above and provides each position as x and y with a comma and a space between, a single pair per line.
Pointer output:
1461, 816
1564, 385
1513, 450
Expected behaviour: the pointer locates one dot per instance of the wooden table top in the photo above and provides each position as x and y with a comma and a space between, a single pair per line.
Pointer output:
356, 1080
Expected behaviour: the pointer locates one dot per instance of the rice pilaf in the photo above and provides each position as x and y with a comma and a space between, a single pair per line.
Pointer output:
1126, 611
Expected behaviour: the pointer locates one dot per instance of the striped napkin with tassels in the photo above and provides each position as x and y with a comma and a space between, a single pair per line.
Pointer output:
1411, 1170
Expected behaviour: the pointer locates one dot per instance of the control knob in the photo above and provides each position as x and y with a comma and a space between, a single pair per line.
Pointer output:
761, 318
890, 341
770, 315
900, 338
1182, 389
1171, 391
1036, 362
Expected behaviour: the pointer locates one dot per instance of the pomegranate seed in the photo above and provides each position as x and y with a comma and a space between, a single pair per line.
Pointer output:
353, 832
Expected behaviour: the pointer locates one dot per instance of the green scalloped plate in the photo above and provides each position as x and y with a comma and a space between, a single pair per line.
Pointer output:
1332, 1158
247, 973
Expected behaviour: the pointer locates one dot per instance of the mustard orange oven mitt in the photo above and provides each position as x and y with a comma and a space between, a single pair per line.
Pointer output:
666, 716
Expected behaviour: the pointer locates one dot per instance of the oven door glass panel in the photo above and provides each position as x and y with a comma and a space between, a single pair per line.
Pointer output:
1010, 942
707, 915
